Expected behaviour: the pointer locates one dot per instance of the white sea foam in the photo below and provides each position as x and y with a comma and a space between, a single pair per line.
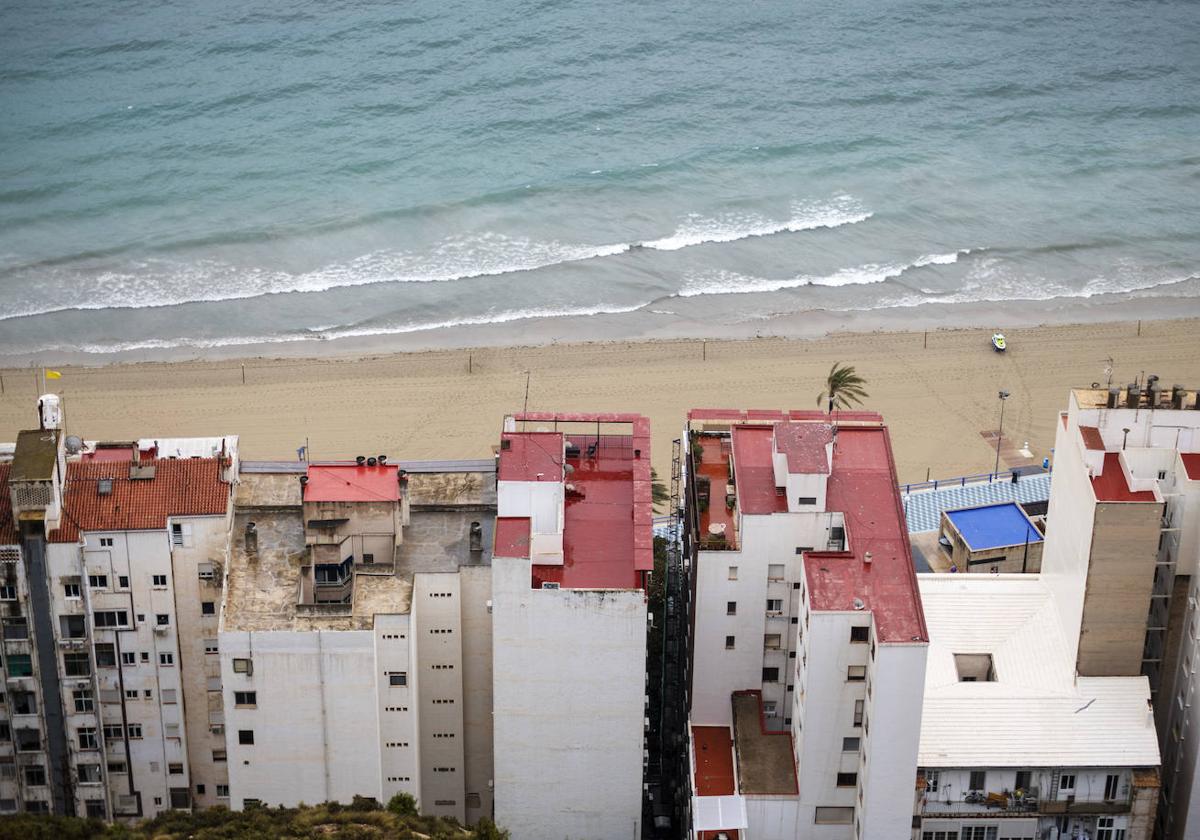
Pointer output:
732, 283
700, 230
157, 283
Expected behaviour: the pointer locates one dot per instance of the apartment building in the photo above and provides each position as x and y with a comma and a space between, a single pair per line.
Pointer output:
355, 639
573, 557
1121, 555
113, 550
1015, 746
808, 633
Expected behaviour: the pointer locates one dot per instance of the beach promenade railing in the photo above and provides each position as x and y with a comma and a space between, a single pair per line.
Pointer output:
964, 480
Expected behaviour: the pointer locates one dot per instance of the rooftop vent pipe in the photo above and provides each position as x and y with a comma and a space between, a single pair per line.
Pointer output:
360, 460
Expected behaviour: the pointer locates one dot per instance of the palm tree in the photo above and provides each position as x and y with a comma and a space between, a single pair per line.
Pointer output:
659, 493
843, 388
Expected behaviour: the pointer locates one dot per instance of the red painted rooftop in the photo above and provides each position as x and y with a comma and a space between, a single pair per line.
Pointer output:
183, 487
734, 415
804, 445
1091, 438
8, 528
608, 536
862, 485
1191, 463
1110, 485
714, 761
118, 453
352, 483
512, 536
755, 471
531, 456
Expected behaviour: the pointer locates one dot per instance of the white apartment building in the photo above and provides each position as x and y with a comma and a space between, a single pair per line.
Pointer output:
808, 631
355, 640
574, 551
112, 581
1121, 555
1015, 746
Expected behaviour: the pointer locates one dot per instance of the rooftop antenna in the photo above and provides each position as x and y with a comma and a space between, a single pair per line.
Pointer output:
1108, 369
525, 409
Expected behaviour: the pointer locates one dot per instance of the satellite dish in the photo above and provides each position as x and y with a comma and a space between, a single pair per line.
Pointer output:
73, 444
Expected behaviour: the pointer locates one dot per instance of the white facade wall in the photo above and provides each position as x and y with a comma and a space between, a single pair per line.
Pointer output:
569, 693
476, 588
316, 719
891, 737
399, 745
543, 502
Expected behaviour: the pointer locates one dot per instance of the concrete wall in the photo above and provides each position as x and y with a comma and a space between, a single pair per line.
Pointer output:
1120, 577
316, 720
398, 741
891, 736
476, 590
569, 693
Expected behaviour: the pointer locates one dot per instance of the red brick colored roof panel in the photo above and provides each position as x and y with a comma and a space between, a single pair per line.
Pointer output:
714, 761
183, 487
352, 483
804, 445
1091, 438
1191, 463
512, 536
1111, 486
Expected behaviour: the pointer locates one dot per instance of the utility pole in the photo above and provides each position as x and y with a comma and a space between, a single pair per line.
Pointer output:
1004, 395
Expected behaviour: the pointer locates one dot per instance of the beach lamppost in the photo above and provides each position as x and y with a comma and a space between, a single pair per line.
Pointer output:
1000, 434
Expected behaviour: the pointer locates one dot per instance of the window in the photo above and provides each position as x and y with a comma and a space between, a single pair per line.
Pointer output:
1112, 783
932, 780
729, 642
168, 695
175, 769
219, 756
106, 542
71, 588
978, 780
208, 608
176, 533
210, 646
1106, 829
113, 732
162, 619
770, 708
5, 732
76, 665
16, 627
131, 694
205, 571
84, 702
1024, 780
116, 766
770, 675
858, 712
29, 740
200, 790
860, 634
128, 658
980, 832
20, 665
98, 581
772, 641
223, 791
134, 730
37, 806
829, 815
847, 779
246, 737
89, 773
806, 500
774, 605
733, 572
850, 744
8, 592
145, 656
35, 774
166, 659
245, 698
122, 581
1066, 783
87, 737
397, 677
95, 808
111, 618
731, 608
775, 571
243, 666
158, 581
856, 673
72, 626
147, 694
106, 656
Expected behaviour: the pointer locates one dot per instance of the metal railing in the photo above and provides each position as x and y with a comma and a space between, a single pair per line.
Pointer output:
964, 480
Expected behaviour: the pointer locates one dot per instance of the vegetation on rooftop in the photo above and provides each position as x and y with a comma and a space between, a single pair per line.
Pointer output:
363, 819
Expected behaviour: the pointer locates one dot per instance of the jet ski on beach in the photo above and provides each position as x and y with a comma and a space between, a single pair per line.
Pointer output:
998, 342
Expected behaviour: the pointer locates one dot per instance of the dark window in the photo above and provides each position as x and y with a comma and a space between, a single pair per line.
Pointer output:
29, 740
847, 779
978, 780
111, 618
16, 627
123, 581
95, 808
245, 698
72, 626
162, 619
98, 581
21, 665
246, 736
806, 500
856, 673
76, 665
398, 678
24, 702
731, 608
208, 608
106, 656
860, 634
89, 773
200, 789
35, 774
770, 674
158, 581
730, 641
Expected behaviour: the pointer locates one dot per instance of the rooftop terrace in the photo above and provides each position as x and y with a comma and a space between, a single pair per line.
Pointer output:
1111, 485
766, 761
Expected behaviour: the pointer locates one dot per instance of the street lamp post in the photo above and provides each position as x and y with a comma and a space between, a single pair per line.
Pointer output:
1000, 434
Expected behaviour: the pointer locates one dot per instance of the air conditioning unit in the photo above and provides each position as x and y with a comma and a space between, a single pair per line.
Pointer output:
549, 585
161, 629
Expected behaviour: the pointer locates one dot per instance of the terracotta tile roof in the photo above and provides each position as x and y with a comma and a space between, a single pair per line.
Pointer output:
8, 528
183, 487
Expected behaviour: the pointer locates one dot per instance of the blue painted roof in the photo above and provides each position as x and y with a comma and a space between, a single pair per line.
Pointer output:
924, 507
994, 526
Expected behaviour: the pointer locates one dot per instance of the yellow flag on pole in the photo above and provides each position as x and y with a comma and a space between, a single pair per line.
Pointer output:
53, 374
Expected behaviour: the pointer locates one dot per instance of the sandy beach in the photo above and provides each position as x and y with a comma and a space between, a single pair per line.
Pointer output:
937, 390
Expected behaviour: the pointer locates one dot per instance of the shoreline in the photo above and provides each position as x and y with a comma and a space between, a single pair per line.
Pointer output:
937, 392
658, 325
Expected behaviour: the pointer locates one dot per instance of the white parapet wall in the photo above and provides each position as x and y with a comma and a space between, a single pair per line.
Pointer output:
569, 688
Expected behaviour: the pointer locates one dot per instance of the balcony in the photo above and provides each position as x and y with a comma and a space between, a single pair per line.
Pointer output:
717, 507
1071, 805
1005, 804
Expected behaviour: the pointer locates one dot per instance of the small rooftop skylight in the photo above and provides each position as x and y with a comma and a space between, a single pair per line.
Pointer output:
975, 667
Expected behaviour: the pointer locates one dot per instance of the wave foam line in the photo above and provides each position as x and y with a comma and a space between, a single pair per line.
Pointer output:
492, 317
731, 283
164, 283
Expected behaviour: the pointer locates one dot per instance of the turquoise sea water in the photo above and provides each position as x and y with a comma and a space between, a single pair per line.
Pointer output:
209, 174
